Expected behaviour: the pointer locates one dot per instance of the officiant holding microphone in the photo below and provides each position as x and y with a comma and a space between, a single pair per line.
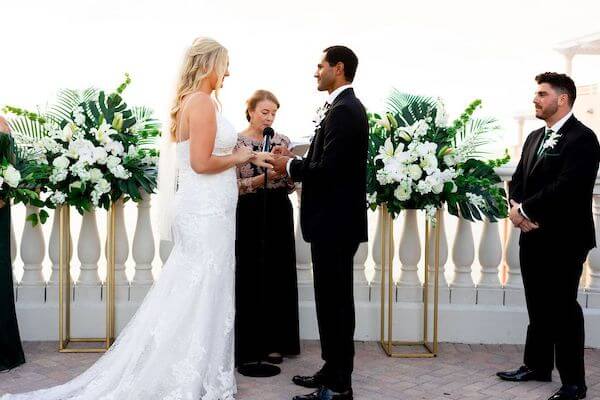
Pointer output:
266, 327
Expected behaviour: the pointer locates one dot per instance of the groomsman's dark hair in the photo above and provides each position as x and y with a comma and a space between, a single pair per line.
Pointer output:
562, 83
336, 54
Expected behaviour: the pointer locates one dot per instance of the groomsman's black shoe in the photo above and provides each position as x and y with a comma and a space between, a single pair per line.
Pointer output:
570, 392
326, 394
311, 382
524, 374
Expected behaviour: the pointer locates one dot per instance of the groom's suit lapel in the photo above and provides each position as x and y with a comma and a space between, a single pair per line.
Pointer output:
561, 132
318, 138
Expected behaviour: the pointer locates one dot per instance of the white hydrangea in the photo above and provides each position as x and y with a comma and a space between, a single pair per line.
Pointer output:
95, 175
102, 186
100, 155
112, 161
429, 163
120, 172
383, 177
476, 200
415, 172
114, 147
81, 149
58, 175
12, 176
58, 198
79, 115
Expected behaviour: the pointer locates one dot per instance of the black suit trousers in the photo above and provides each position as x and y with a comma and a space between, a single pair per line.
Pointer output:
334, 297
556, 326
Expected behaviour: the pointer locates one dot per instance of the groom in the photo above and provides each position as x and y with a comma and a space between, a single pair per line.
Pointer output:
333, 216
551, 198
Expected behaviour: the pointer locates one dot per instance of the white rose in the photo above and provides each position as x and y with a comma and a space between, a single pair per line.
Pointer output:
114, 147
415, 172
102, 186
429, 163
61, 162
12, 177
100, 155
112, 161
58, 175
95, 175
120, 172
450, 160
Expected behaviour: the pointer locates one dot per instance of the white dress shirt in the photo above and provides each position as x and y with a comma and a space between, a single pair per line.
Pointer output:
554, 128
332, 96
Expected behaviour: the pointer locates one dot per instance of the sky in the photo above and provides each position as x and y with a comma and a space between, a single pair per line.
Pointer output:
459, 50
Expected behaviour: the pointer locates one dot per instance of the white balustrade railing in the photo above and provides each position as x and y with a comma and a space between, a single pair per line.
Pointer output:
481, 288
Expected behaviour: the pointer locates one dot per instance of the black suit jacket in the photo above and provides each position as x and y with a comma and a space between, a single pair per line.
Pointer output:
556, 188
334, 175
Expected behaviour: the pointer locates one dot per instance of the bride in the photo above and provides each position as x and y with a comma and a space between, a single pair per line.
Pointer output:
179, 344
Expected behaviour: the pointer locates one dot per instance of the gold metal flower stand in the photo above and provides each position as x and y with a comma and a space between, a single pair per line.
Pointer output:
65, 284
402, 349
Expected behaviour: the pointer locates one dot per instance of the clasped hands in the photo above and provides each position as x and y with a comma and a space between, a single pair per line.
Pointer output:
518, 220
275, 162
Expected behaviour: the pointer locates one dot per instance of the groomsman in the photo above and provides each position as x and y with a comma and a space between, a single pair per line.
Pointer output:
551, 203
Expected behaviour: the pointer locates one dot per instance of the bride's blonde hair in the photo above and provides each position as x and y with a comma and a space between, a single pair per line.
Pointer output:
204, 56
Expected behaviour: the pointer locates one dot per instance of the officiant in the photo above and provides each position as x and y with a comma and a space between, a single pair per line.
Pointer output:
266, 327
11, 351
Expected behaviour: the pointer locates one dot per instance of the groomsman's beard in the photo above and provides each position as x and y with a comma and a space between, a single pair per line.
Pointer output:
545, 114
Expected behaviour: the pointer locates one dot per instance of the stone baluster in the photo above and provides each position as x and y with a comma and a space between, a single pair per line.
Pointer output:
33, 250
593, 286
409, 252
444, 290
121, 253
88, 287
489, 287
463, 255
514, 294
143, 251
54, 254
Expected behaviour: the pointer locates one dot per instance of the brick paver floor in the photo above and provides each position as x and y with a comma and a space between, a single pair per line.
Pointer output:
460, 372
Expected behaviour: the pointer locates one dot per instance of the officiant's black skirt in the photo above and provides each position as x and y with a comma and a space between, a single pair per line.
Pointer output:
266, 286
11, 351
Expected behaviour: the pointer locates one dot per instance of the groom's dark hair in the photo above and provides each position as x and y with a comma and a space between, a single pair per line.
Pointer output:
562, 83
336, 54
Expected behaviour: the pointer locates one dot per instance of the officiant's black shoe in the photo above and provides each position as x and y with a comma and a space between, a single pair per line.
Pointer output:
570, 392
326, 394
524, 374
311, 382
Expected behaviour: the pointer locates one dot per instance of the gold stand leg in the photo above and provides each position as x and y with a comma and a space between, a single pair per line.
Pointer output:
64, 288
387, 251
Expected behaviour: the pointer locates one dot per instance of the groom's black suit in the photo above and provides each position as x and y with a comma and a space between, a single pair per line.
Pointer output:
555, 190
333, 218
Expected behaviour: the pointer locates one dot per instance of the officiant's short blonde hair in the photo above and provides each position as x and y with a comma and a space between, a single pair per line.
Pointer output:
204, 56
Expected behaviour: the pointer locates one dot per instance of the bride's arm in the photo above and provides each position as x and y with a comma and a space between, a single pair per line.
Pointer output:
203, 129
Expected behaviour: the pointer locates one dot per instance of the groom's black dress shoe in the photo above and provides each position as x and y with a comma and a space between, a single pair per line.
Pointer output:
524, 374
312, 382
570, 392
326, 394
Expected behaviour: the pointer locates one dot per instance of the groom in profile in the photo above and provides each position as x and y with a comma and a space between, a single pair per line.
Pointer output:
551, 198
333, 217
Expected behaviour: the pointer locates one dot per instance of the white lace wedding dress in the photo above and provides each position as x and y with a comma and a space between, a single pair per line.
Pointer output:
179, 344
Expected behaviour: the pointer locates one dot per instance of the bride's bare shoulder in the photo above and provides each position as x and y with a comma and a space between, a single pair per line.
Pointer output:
198, 102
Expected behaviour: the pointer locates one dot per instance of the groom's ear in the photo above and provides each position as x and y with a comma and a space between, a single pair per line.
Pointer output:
339, 68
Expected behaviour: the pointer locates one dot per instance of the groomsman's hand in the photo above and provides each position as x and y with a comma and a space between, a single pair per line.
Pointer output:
527, 225
279, 164
519, 220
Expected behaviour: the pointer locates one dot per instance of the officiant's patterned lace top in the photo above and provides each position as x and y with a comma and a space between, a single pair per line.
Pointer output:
245, 172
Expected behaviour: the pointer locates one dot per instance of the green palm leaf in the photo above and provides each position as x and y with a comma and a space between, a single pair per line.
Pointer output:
67, 100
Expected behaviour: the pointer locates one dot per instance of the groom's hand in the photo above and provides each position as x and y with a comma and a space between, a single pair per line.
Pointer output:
279, 164
282, 151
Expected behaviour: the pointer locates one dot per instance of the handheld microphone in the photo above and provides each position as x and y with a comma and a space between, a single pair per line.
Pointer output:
268, 133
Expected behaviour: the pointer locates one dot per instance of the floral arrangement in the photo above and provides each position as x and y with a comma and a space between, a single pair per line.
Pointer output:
417, 160
89, 149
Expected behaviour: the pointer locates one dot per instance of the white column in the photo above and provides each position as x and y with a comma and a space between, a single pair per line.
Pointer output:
376, 254
489, 288
88, 252
121, 253
33, 249
53, 253
463, 255
409, 253
593, 287
444, 290
143, 251
514, 294
361, 286
303, 256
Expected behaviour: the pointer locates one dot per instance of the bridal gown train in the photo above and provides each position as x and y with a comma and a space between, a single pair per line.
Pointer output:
179, 344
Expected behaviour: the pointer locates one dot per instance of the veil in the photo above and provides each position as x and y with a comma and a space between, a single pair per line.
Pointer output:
167, 186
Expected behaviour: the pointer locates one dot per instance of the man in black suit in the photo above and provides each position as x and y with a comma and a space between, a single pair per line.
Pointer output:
333, 216
551, 198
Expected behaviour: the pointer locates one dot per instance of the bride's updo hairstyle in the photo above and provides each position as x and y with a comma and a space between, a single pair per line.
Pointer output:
204, 56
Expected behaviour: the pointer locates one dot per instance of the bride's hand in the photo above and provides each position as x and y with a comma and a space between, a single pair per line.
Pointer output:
263, 160
243, 154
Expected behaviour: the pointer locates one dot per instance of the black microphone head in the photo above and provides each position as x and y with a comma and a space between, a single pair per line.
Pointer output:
268, 131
